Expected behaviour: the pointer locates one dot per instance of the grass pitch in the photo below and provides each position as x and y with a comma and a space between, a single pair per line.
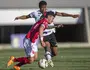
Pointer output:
67, 59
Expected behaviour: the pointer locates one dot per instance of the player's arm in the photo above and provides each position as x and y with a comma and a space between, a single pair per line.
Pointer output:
55, 26
66, 14
41, 29
22, 17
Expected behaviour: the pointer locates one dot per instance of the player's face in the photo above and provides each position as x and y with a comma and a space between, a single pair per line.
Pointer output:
50, 19
43, 8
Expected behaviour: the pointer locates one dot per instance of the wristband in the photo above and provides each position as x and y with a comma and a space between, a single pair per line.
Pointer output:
41, 38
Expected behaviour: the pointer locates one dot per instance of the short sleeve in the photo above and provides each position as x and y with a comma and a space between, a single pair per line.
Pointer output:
54, 11
31, 14
45, 25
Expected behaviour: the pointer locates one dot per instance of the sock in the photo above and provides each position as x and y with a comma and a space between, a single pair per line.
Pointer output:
52, 54
22, 60
48, 55
20, 64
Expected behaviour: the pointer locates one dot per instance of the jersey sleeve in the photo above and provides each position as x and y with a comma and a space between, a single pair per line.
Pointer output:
32, 14
54, 11
45, 25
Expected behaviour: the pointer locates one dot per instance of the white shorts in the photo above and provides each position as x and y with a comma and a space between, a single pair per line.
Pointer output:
30, 48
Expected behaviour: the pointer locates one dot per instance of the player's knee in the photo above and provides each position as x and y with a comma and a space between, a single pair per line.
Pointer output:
35, 58
31, 60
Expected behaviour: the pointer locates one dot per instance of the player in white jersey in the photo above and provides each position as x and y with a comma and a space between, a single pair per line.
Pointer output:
49, 36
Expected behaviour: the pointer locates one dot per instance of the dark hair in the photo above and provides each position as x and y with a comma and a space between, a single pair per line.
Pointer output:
50, 13
42, 3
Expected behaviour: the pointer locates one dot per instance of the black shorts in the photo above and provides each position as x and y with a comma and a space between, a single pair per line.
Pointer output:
51, 39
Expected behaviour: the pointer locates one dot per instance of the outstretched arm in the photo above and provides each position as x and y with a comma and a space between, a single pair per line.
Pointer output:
22, 17
67, 15
55, 26
31, 15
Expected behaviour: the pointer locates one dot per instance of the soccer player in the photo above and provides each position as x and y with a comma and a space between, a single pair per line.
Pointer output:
49, 36
30, 41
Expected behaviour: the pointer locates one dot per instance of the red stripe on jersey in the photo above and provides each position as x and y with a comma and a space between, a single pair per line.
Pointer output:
28, 35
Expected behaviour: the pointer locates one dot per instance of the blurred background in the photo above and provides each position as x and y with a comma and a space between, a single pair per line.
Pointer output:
75, 31
73, 39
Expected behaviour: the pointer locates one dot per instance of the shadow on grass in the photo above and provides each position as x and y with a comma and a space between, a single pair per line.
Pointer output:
14, 69
6, 69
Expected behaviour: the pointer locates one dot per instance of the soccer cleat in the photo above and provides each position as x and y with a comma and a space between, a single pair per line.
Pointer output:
50, 62
16, 67
10, 61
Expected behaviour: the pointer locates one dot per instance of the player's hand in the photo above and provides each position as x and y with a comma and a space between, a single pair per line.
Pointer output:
16, 18
43, 43
75, 16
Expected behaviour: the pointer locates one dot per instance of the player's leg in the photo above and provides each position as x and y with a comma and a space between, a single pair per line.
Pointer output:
53, 43
21, 59
35, 48
24, 61
48, 54
27, 60
31, 52
53, 46
48, 51
54, 51
30, 55
36, 56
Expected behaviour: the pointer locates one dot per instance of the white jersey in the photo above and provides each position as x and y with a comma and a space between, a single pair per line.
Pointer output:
38, 15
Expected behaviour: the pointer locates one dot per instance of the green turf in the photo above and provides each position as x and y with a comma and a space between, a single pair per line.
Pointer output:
67, 59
